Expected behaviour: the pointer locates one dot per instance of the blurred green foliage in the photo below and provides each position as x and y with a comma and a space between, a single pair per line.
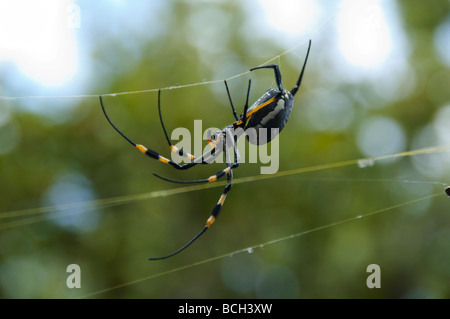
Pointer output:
82, 159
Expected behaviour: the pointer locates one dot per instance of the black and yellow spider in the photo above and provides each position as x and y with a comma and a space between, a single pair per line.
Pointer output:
271, 112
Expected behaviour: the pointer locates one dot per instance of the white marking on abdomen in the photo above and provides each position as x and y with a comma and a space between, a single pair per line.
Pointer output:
271, 115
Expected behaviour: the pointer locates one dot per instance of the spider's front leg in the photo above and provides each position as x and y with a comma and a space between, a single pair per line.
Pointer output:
205, 158
155, 155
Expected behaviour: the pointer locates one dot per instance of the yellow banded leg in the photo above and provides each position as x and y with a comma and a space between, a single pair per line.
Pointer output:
162, 159
214, 178
180, 152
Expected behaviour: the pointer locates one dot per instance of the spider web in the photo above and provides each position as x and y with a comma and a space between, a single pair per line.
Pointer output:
40, 214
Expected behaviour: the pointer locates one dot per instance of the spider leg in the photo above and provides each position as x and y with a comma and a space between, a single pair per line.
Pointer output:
205, 158
182, 248
276, 69
214, 143
153, 154
173, 148
244, 115
243, 120
210, 179
231, 101
217, 208
216, 176
299, 81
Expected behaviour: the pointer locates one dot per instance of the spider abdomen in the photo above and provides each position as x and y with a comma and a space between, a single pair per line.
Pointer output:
270, 111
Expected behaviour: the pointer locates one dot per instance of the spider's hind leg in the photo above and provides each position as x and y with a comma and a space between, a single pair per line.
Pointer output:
231, 101
299, 81
216, 209
276, 69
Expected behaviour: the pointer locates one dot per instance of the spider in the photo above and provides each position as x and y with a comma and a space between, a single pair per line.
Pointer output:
270, 111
